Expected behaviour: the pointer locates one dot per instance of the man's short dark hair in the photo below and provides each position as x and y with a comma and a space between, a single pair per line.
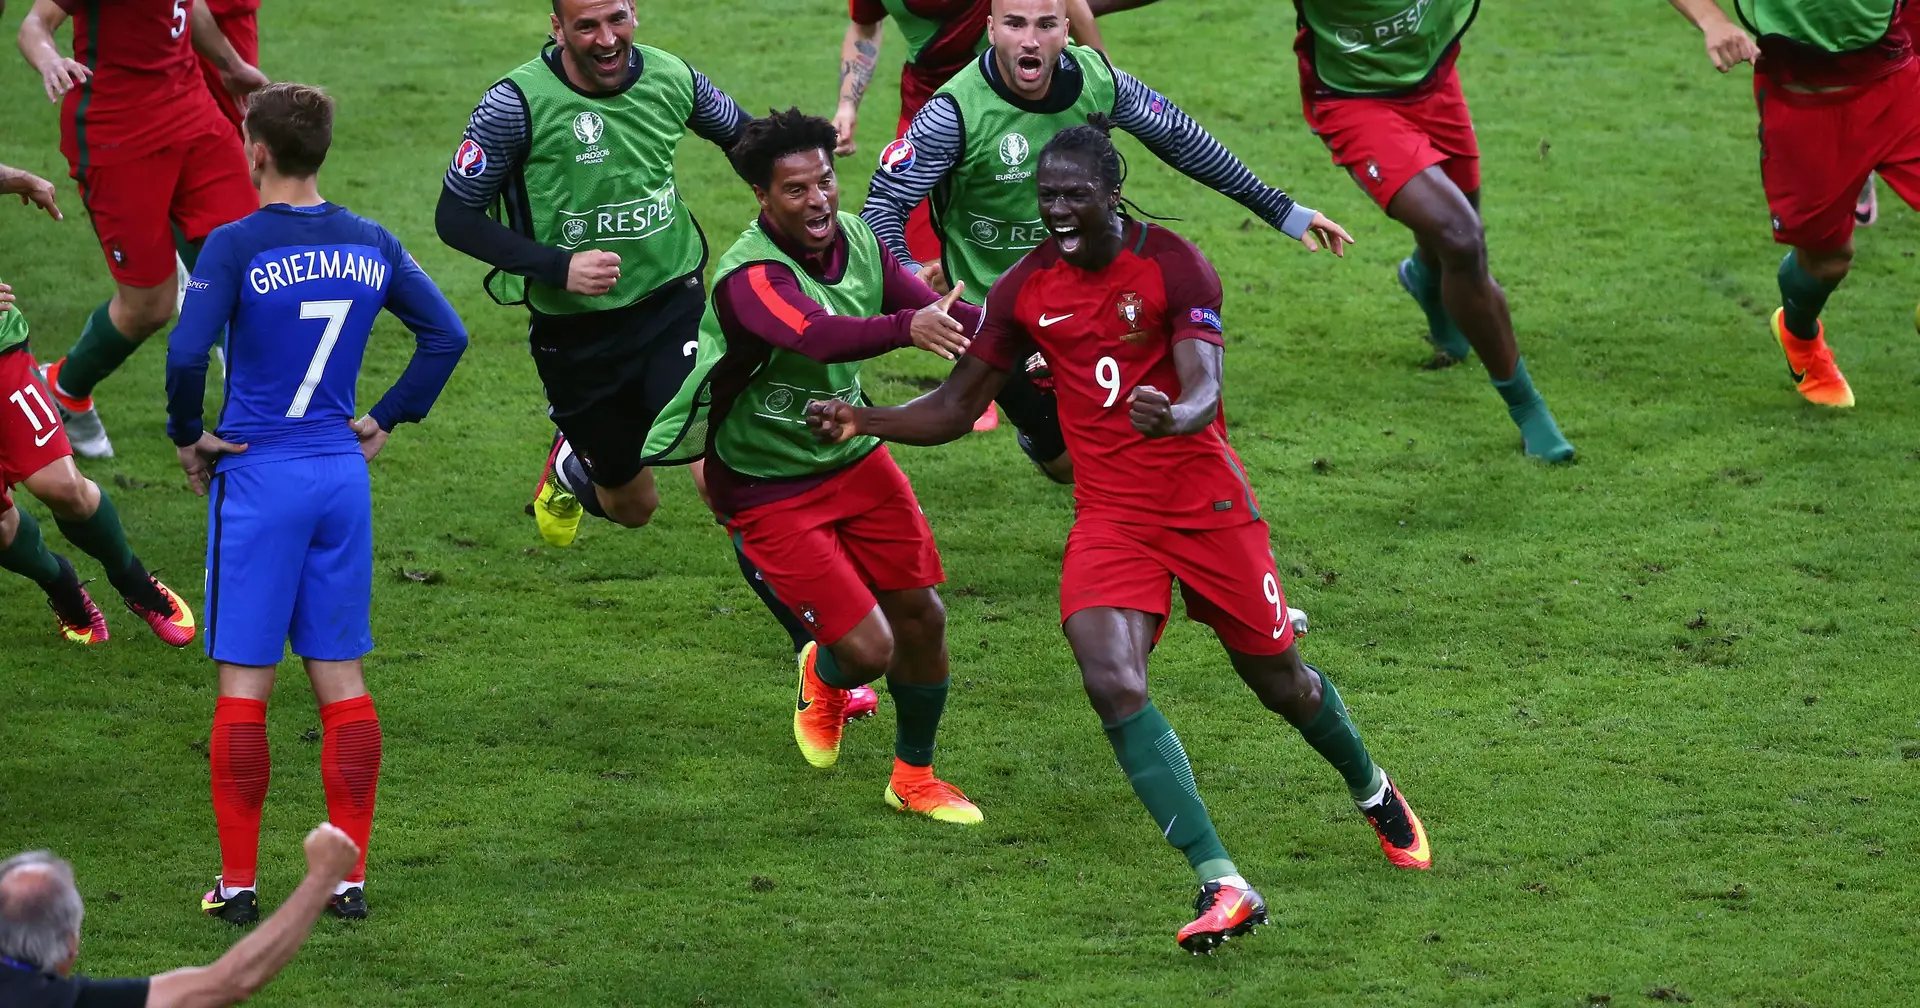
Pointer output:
295, 121
767, 140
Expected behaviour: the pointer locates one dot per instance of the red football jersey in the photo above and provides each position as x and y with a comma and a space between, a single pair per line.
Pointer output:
146, 91
1105, 333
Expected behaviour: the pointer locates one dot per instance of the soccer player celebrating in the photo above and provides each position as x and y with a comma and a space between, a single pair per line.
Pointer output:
1128, 315
34, 453
574, 150
1838, 86
152, 154
297, 285
803, 297
1381, 89
972, 148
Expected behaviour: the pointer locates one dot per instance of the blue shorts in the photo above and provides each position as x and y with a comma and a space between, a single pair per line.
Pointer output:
290, 560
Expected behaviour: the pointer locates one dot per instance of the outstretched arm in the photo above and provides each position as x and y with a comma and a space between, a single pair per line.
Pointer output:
859, 55
1198, 364
30, 188
1728, 45
942, 415
1174, 137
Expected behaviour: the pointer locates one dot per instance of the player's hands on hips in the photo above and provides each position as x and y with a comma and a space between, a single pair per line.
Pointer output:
330, 853
31, 188
844, 120
833, 421
1151, 412
934, 275
63, 75
199, 457
372, 438
936, 331
592, 272
1729, 45
1325, 232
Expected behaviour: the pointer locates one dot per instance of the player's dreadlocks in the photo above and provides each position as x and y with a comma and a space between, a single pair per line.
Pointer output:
764, 141
1095, 141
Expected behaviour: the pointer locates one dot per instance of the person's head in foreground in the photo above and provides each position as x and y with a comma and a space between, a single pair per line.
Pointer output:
787, 158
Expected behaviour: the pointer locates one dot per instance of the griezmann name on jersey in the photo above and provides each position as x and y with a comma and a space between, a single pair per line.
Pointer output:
297, 289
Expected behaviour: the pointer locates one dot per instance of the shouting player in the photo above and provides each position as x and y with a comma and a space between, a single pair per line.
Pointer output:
803, 297
1128, 314
297, 285
1838, 87
972, 147
1380, 88
34, 453
153, 156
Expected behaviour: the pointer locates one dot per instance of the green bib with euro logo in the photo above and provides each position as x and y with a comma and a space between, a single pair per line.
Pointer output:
1375, 47
764, 433
1835, 26
987, 209
13, 330
599, 175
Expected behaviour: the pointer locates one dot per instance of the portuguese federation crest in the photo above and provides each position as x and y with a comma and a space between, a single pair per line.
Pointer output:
1131, 307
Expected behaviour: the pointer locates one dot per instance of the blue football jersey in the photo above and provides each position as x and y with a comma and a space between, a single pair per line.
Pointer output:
297, 289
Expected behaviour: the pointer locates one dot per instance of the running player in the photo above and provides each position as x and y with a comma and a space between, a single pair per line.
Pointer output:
239, 25
803, 297
296, 285
34, 453
153, 156
1389, 107
972, 146
1129, 315
1838, 87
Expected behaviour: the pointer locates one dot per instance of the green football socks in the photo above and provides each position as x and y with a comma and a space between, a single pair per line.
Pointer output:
1331, 734
1529, 411
27, 555
1803, 296
101, 349
916, 710
827, 667
1424, 285
101, 536
1157, 767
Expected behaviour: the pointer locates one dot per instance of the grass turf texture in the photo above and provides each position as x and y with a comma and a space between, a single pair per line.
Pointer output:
1654, 706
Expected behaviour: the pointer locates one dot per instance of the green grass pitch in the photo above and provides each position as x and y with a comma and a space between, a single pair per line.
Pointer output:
1656, 707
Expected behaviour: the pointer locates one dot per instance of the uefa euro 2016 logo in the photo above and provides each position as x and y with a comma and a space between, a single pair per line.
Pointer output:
588, 128
1013, 150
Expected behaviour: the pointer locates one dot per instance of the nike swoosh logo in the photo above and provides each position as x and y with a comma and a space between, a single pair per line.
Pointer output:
1798, 376
1045, 321
1277, 633
801, 702
1169, 830
41, 441
206, 906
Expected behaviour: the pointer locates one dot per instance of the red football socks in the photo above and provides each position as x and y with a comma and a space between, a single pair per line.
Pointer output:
241, 769
350, 771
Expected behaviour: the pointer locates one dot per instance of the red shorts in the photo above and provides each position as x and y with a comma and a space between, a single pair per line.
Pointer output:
825, 552
31, 437
1816, 151
243, 31
195, 185
1384, 142
1227, 578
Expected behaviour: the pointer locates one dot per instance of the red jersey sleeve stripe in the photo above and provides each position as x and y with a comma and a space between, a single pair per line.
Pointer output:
771, 300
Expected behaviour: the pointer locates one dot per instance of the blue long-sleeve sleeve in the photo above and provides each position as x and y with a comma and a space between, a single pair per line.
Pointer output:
213, 292
439, 340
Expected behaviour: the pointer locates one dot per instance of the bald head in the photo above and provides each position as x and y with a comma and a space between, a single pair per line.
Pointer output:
1027, 36
40, 911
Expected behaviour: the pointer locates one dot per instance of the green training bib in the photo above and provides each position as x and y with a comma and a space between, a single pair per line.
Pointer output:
13, 328
599, 175
1381, 46
765, 432
1836, 26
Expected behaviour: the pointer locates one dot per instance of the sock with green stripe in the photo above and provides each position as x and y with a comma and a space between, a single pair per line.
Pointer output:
916, 709
1802, 295
1331, 734
1424, 285
101, 349
101, 537
1157, 767
1529, 411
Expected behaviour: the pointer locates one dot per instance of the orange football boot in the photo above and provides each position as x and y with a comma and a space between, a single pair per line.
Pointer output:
821, 713
1402, 838
916, 789
1225, 912
988, 420
174, 626
91, 629
1811, 365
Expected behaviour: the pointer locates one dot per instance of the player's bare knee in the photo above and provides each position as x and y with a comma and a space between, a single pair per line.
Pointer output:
69, 495
9, 526
1829, 267
865, 656
1116, 691
632, 510
143, 315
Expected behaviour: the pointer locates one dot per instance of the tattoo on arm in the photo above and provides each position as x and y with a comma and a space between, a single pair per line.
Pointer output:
857, 73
